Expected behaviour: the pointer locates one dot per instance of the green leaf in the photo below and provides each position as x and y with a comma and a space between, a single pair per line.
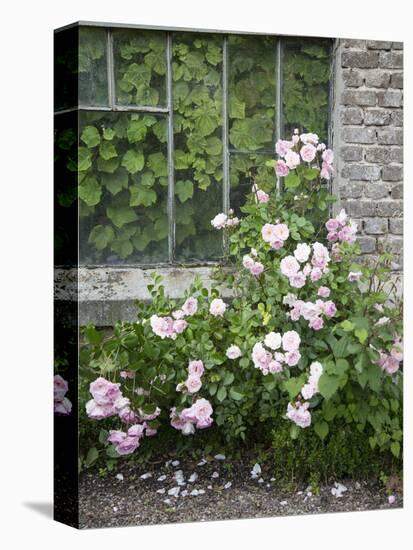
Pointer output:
157, 163
361, 334
236, 107
91, 456
108, 166
90, 136
107, 150
236, 396
311, 173
115, 182
293, 386
347, 325
213, 146
108, 134
395, 448
122, 247
141, 195
184, 189
90, 191
294, 431
221, 394
84, 159
120, 215
133, 161
291, 180
328, 385
228, 378
101, 236
136, 131
321, 429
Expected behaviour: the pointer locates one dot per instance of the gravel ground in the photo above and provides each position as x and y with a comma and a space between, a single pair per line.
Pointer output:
221, 491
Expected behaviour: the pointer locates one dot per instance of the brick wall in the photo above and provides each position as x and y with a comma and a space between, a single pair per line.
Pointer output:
368, 137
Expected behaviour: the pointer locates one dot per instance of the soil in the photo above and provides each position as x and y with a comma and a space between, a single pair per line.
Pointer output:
222, 491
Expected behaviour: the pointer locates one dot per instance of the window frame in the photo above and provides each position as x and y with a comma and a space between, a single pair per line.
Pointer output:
168, 112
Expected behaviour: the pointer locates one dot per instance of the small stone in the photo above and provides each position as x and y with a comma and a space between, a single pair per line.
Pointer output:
299, 493
219, 457
338, 490
202, 462
167, 501
119, 476
161, 478
215, 475
115, 508
146, 476
309, 494
201, 491
357, 485
227, 485
283, 503
175, 463
261, 480
193, 478
391, 499
184, 493
272, 479
255, 472
174, 492
209, 487
167, 463
161, 491
194, 493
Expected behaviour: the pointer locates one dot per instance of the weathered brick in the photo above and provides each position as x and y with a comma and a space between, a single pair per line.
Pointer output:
390, 98
377, 117
364, 172
359, 135
392, 173
396, 154
351, 153
352, 78
396, 226
367, 244
397, 118
391, 60
397, 80
353, 43
360, 59
376, 190
397, 191
352, 115
375, 226
397, 45
357, 97
390, 243
378, 45
351, 190
380, 155
359, 209
389, 208
376, 79
390, 136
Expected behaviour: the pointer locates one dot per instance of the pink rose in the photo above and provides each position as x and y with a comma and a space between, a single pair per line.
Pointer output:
60, 387
178, 314
247, 262
316, 323
268, 233
217, 307
316, 274
292, 159
328, 156
324, 292
292, 358
330, 309
297, 280
193, 383
332, 237
291, 341
332, 224
127, 446
190, 306
354, 276
276, 244
219, 221
282, 147
127, 415
262, 196
137, 430
281, 169
180, 325
233, 352
308, 152
257, 268
127, 374
98, 412
281, 231
302, 252
63, 407
196, 368
116, 436
326, 171
289, 266
274, 367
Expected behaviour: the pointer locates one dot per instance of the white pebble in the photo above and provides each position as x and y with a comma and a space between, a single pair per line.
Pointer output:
261, 480
201, 491
392, 499
268, 485
161, 491
309, 494
146, 476
115, 508
215, 475
167, 463
219, 457
167, 501
193, 478
227, 485
272, 479
202, 462
184, 493
299, 493
120, 477
283, 503
174, 492
209, 487
175, 463
194, 493
338, 490
162, 478
255, 472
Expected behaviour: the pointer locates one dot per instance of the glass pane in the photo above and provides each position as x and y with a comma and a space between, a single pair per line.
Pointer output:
140, 67
93, 80
123, 188
252, 92
306, 69
66, 50
197, 94
245, 170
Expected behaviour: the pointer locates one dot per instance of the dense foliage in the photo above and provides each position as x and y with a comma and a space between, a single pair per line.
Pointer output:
121, 161
309, 341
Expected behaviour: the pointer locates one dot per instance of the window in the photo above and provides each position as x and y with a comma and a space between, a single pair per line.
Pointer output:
173, 127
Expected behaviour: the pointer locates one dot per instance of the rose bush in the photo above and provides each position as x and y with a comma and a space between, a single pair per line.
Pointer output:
308, 335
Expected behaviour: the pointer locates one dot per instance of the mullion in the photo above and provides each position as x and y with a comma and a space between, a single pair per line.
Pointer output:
170, 145
278, 102
225, 135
